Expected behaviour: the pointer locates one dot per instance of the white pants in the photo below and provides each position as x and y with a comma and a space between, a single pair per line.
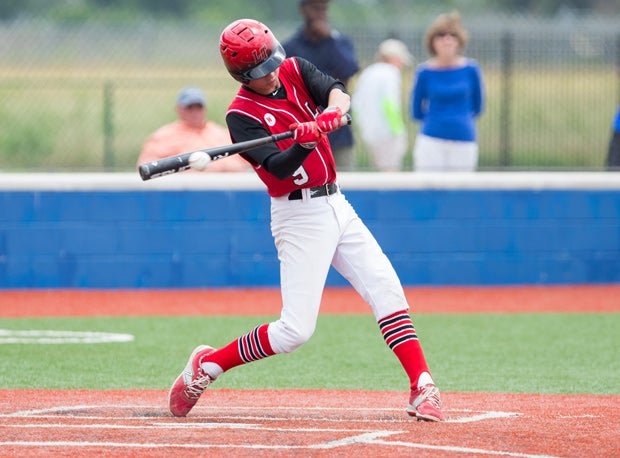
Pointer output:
310, 235
388, 153
432, 154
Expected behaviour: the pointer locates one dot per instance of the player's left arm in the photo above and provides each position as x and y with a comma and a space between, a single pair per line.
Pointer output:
281, 164
331, 118
327, 92
338, 99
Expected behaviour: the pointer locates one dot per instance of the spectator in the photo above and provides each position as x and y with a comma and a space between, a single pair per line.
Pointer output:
447, 97
613, 155
377, 102
191, 131
332, 53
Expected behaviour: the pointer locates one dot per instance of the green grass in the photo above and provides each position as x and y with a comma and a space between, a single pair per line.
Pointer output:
526, 353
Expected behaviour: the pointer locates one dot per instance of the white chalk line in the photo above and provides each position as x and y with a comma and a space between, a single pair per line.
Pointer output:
449, 448
30, 336
153, 426
226, 413
370, 438
467, 417
359, 436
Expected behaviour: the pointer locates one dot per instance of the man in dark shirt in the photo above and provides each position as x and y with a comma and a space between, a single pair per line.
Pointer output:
332, 53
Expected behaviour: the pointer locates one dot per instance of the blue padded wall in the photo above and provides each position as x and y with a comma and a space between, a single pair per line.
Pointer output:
215, 238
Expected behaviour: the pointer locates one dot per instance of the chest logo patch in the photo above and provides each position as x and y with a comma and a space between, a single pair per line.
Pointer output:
270, 120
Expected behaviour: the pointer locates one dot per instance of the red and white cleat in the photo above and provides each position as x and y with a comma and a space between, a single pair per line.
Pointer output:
190, 384
425, 404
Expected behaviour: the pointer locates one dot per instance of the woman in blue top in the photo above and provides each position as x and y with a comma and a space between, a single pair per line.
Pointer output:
447, 97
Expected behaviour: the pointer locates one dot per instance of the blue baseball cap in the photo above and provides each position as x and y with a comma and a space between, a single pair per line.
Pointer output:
190, 96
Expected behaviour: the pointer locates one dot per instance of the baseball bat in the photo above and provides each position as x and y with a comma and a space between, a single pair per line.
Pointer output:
180, 162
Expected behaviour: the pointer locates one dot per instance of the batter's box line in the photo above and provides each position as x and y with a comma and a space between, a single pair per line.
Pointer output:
64, 411
371, 438
172, 426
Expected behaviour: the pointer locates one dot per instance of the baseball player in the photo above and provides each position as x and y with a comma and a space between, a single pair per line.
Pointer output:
313, 224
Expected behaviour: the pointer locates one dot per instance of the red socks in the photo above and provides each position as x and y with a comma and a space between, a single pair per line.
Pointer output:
397, 330
399, 334
251, 347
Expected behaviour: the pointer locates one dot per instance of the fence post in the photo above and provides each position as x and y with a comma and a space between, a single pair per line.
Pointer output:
506, 98
108, 126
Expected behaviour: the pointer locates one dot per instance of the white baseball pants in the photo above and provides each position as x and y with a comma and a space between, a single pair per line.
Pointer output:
310, 235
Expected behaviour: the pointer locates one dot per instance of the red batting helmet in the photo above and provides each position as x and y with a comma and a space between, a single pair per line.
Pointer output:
249, 49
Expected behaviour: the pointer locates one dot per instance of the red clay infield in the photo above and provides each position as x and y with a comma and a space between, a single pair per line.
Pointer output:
505, 299
313, 422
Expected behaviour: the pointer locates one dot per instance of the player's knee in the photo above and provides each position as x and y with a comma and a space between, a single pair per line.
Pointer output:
285, 338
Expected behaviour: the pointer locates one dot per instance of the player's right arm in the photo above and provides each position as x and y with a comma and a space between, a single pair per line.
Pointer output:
281, 164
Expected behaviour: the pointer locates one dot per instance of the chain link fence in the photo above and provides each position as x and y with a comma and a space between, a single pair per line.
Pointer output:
85, 97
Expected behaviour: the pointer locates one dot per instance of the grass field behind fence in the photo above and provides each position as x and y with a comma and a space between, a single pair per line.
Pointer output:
520, 353
53, 117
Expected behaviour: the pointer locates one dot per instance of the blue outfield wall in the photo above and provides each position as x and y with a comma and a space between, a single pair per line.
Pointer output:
183, 234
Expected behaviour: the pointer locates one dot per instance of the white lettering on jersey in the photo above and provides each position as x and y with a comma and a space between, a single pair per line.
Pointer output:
301, 176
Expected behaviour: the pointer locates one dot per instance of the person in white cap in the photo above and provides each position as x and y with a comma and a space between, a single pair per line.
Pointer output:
191, 131
378, 106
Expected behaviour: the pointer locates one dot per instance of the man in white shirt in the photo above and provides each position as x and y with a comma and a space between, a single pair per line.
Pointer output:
377, 106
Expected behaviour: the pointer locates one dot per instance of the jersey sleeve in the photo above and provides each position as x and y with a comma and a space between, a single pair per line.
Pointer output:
280, 164
242, 129
319, 84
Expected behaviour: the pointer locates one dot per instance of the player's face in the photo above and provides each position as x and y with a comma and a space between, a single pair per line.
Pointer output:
266, 85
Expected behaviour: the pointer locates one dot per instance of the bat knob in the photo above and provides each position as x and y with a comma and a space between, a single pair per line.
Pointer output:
144, 171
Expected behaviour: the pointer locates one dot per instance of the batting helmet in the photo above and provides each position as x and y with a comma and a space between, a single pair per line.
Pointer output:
249, 49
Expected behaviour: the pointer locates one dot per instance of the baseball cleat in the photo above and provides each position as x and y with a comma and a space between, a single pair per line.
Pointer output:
424, 404
190, 384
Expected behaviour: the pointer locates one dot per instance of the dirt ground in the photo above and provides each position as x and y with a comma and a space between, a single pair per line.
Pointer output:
505, 299
309, 423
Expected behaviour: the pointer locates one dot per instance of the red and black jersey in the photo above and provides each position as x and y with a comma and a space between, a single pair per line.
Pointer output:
251, 115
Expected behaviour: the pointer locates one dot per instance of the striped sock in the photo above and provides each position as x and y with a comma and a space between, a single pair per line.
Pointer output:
399, 334
255, 345
250, 347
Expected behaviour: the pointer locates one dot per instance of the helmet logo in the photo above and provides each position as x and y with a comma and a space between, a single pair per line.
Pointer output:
260, 55
270, 120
